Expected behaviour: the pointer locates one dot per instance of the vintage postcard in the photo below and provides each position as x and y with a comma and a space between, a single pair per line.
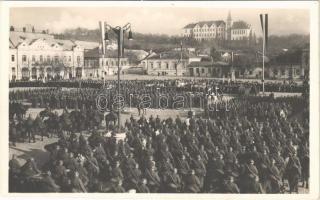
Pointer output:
158, 100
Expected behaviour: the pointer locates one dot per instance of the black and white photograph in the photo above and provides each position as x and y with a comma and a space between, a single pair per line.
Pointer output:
160, 99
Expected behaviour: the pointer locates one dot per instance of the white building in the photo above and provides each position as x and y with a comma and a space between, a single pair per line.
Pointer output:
240, 31
37, 55
205, 30
97, 65
171, 63
219, 29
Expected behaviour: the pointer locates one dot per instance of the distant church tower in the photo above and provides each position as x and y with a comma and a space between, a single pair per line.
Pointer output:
228, 27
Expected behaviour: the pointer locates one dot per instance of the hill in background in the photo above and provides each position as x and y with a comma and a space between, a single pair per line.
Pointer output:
158, 43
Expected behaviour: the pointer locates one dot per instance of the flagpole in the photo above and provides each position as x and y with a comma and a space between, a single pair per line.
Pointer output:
263, 52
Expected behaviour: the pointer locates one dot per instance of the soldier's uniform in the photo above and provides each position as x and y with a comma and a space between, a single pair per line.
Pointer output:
153, 180
192, 184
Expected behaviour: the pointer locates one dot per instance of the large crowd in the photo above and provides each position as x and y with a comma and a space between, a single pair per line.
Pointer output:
256, 146
225, 85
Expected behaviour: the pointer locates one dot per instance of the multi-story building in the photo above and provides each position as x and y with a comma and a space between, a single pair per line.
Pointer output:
219, 29
208, 68
240, 30
37, 55
205, 30
172, 63
97, 65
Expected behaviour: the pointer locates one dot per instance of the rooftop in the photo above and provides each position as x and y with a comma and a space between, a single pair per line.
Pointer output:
170, 55
207, 64
208, 23
16, 38
240, 25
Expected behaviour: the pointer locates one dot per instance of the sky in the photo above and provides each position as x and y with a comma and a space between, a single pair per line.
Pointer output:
156, 20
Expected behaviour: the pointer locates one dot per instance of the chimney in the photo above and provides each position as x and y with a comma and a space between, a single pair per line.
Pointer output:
33, 29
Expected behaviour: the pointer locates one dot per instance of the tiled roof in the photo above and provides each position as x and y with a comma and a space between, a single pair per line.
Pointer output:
17, 38
240, 25
208, 23
190, 26
169, 55
200, 64
92, 53
207, 64
95, 53
87, 45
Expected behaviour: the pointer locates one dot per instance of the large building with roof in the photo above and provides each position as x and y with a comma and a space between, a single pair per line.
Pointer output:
97, 65
218, 30
205, 30
171, 63
36, 55
240, 30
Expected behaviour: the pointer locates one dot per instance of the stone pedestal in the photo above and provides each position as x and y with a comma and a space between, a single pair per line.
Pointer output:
120, 136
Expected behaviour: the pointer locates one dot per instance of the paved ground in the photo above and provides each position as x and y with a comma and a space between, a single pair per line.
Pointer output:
35, 150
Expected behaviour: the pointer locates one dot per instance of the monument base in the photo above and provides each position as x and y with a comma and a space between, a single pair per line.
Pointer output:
120, 136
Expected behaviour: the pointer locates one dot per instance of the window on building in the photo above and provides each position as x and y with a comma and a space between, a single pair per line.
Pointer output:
64, 58
197, 70
151, 65
24, 58
13, 70
41, 58
167, 65
111, 63
48, 58
283, 72
12, 58
250, 72
298, 72
78, 59
33, 58
69, 58
56, 59
175, 65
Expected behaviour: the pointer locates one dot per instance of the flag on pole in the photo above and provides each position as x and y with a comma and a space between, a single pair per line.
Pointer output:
264, 26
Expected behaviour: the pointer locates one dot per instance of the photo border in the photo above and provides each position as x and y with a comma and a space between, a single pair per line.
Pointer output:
312, 6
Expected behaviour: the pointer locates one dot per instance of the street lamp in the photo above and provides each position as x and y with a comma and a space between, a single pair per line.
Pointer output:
119, 32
